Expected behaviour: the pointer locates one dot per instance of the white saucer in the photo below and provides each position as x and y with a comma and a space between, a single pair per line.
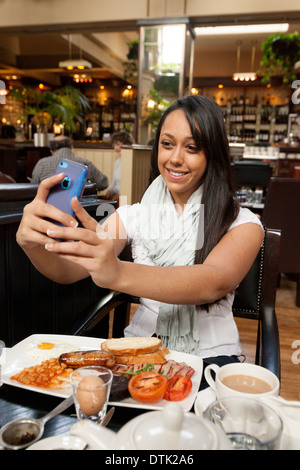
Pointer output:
62, 442
203, 400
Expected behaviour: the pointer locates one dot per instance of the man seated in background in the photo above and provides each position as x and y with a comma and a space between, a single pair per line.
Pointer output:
61, 147
118, 139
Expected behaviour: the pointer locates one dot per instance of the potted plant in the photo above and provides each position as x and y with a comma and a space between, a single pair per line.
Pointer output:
280, 52
131, 65
154, 107
65, 105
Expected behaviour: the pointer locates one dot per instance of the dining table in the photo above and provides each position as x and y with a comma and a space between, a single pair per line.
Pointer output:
16, 403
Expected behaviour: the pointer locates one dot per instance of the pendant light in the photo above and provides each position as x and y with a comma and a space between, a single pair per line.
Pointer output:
71, 64
245, 76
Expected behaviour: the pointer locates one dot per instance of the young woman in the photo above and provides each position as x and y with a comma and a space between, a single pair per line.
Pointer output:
191, 243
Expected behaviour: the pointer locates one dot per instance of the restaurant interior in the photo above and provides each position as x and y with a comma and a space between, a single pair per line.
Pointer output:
89, 71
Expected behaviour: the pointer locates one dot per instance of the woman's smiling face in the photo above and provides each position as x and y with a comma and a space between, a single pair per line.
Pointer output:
181, 163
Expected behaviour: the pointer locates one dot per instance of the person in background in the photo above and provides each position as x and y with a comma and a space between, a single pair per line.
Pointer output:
192, 244
117, 139
61, 147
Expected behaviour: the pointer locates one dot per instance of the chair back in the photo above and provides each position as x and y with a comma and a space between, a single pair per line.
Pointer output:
256, 297
282, 212
258, 288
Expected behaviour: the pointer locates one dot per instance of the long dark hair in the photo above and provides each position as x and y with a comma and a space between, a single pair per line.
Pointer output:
220, 207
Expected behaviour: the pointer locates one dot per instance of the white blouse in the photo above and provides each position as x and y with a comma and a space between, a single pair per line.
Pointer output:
219, 334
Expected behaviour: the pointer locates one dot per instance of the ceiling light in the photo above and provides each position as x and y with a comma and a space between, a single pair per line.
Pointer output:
242, 29
78, 63
245, 76
75, 64
82, 78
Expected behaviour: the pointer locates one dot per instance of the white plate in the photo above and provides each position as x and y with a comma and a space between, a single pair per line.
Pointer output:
17, 359
59, 443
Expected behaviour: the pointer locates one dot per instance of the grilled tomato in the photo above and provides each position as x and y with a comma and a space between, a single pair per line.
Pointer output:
148, 387
179, 387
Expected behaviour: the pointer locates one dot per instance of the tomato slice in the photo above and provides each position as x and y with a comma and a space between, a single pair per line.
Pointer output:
148, 386
179, 387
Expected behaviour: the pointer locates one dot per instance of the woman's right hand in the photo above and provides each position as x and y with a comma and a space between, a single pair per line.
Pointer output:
33, 228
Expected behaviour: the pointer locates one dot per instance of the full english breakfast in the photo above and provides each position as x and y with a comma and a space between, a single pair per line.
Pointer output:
139, 364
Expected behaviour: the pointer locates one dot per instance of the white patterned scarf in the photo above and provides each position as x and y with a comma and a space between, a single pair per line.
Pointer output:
171, 240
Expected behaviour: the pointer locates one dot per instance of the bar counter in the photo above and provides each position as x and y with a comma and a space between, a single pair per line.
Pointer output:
18, 158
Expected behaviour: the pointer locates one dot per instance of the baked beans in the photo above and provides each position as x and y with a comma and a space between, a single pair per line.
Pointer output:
48, 374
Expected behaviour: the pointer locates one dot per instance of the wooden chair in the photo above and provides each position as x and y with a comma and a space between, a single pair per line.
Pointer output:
255, 299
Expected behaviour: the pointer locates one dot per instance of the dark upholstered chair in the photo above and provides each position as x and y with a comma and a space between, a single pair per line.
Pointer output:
255, 299
6, 179
251, 173
10, 191
31, 303
282, 212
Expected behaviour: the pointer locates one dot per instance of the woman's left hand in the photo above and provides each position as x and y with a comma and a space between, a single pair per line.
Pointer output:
91, 247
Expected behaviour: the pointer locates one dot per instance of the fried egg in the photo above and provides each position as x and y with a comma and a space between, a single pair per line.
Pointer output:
44, 350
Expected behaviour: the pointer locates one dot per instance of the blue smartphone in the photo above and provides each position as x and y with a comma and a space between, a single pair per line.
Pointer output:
72, 185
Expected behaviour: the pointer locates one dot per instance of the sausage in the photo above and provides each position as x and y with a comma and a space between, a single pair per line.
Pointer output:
88, 358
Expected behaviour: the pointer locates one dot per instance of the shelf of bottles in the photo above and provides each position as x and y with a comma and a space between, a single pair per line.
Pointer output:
256, 123
114, 116
118, 116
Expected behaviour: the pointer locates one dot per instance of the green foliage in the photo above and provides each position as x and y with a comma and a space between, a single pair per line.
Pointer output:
131, 66
65, 105
133, 53
168, 84
280, 52
130, 71
153, 115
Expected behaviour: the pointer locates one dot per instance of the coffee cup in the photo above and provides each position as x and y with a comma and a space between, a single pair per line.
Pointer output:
242, 380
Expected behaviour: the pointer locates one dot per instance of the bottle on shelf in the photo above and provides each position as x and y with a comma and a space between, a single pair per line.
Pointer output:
265, 117
264, 135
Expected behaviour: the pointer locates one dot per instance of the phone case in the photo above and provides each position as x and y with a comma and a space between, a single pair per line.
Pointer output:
72, 185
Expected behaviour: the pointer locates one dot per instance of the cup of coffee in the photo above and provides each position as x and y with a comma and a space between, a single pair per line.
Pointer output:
242, 380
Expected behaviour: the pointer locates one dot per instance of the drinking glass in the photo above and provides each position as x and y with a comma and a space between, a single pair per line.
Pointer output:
249, 424
90, 394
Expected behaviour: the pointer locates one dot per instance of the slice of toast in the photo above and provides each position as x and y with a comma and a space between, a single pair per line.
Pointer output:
136, 345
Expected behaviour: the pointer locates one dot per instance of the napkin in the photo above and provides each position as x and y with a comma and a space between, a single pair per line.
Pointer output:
289, 411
